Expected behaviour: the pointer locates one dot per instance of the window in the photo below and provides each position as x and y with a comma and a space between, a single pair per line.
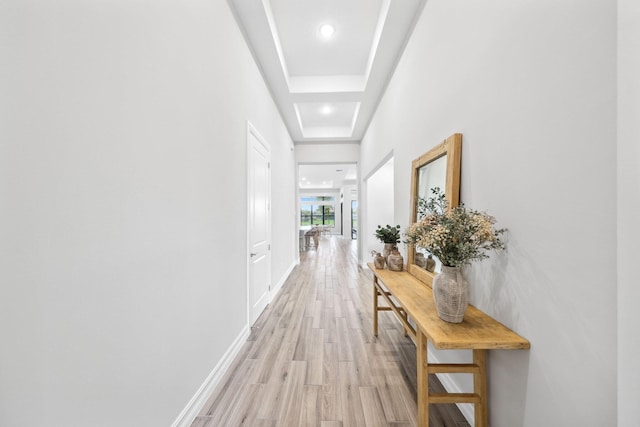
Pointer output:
316, 199
329, 215
317, 217
305, 215
314, 210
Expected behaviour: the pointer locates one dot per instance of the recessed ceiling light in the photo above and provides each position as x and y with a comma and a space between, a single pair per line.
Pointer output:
327, 30
326, 109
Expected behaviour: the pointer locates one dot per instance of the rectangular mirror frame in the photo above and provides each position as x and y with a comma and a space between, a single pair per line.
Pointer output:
452, 148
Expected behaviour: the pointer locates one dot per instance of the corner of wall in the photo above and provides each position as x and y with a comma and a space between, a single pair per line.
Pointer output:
197, 402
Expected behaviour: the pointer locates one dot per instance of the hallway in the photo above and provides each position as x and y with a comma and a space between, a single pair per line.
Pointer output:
312, 360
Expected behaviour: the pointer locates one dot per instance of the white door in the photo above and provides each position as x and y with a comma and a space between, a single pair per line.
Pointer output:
259, 204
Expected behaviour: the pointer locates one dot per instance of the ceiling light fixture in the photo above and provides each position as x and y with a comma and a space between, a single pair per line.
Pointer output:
327, 30
326, 110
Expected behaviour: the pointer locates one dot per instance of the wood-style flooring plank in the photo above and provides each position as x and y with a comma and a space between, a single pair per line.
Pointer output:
352, 410
292, 394
311, 406
372, 407
315, 358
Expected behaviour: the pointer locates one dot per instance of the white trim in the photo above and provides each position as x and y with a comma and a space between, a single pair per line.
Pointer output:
283, 279
330, 141
380, 164
197, 402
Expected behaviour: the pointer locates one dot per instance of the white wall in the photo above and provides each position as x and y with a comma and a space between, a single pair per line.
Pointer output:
532, 88
327, 153
123, 206
379, 208
628, 211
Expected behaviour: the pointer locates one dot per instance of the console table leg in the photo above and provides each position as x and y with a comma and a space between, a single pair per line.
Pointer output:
375, 305
480, 388
423, 379
404, 328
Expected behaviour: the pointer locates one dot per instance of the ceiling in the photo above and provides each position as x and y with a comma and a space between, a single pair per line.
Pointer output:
327, 89
326, 176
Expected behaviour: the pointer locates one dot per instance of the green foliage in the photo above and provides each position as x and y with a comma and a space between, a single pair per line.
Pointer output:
388, 234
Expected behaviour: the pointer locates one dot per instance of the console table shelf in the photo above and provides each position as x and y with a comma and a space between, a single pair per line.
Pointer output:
409, 298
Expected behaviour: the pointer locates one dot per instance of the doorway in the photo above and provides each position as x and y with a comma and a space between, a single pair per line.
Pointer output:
379, 204
259, 223
324, 196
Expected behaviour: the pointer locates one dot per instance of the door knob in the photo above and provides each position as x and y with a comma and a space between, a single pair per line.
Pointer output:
253, 254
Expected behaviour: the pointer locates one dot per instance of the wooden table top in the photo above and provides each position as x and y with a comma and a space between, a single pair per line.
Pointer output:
477, 331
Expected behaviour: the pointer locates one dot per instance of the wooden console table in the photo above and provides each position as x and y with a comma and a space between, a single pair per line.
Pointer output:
409, 298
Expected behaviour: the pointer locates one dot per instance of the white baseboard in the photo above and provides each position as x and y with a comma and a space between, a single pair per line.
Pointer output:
452, 387
284, 278
195, 405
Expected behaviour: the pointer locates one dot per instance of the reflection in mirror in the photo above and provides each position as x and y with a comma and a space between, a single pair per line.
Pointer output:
432, 175
438, 167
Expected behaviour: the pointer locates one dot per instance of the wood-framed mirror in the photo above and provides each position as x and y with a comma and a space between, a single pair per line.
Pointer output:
438, 167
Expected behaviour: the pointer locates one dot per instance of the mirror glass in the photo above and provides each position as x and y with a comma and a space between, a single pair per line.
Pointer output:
438, 167
432, 175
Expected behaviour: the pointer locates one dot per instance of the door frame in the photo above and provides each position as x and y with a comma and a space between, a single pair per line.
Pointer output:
251, 130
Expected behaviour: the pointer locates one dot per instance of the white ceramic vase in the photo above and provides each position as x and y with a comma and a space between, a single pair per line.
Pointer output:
451, 294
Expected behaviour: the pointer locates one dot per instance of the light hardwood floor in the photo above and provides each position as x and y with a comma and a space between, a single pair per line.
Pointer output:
312, 359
